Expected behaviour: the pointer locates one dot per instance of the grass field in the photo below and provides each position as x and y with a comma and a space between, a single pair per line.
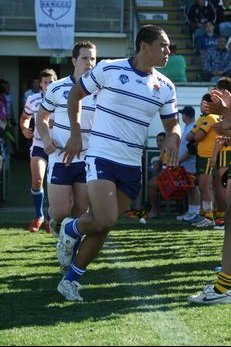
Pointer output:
134, 293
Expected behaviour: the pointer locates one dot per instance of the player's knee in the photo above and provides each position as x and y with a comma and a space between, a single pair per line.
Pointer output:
105, 224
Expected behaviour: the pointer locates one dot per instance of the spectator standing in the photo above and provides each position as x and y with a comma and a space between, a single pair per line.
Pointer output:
3, 113
11, 122
175, 68
188, 161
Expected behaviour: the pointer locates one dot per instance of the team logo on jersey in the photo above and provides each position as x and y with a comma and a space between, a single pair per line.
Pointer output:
124, 79
65, 94
55, 9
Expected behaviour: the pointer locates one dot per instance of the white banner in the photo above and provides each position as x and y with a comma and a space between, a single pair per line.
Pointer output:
55, 23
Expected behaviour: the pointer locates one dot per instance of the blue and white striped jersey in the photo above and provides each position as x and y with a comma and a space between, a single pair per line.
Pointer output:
56, 101
31, 107
127, 101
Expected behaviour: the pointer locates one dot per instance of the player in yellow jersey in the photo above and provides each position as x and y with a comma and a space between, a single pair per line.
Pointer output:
205, 136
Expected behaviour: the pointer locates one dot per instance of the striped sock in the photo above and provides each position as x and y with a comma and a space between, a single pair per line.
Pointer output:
223, 283
71, 229
74, 273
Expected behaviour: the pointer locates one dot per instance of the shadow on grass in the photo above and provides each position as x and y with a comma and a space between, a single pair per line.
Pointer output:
33, 300
22, 219
137, 271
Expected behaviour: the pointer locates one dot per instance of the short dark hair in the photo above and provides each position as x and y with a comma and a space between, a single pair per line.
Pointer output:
79, 45
163, 134
207, 97
224, 83
47, 73
148, 33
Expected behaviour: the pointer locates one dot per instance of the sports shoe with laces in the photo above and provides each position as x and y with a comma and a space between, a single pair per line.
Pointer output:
66, 245
188, 217
196, 219
204, 223
209, 297
46, 226
70, 290
35, 225
181, 217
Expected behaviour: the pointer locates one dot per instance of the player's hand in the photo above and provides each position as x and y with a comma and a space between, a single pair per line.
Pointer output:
49, 147
28, 133
72, 149
171, 150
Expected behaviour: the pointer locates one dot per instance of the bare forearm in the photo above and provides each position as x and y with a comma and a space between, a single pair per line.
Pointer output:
174, 134
24, 122
25, 126
74, 109
43, 129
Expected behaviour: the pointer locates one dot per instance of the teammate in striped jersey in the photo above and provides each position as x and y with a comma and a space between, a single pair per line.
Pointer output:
39, 159
67, 192
131, 92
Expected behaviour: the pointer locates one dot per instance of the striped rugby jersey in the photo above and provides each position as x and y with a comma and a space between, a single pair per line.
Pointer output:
31, 107
56, 101
127, 101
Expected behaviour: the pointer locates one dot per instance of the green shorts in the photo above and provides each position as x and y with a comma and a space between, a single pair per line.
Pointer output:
224, 159
203, 167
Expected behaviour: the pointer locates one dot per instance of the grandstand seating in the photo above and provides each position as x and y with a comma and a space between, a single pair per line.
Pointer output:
170, 14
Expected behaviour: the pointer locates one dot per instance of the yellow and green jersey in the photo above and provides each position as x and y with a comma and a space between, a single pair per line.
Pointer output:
206, 145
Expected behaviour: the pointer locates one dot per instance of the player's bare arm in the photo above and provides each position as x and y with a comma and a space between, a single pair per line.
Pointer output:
173, 134
25, 126
74, 144
42, 124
